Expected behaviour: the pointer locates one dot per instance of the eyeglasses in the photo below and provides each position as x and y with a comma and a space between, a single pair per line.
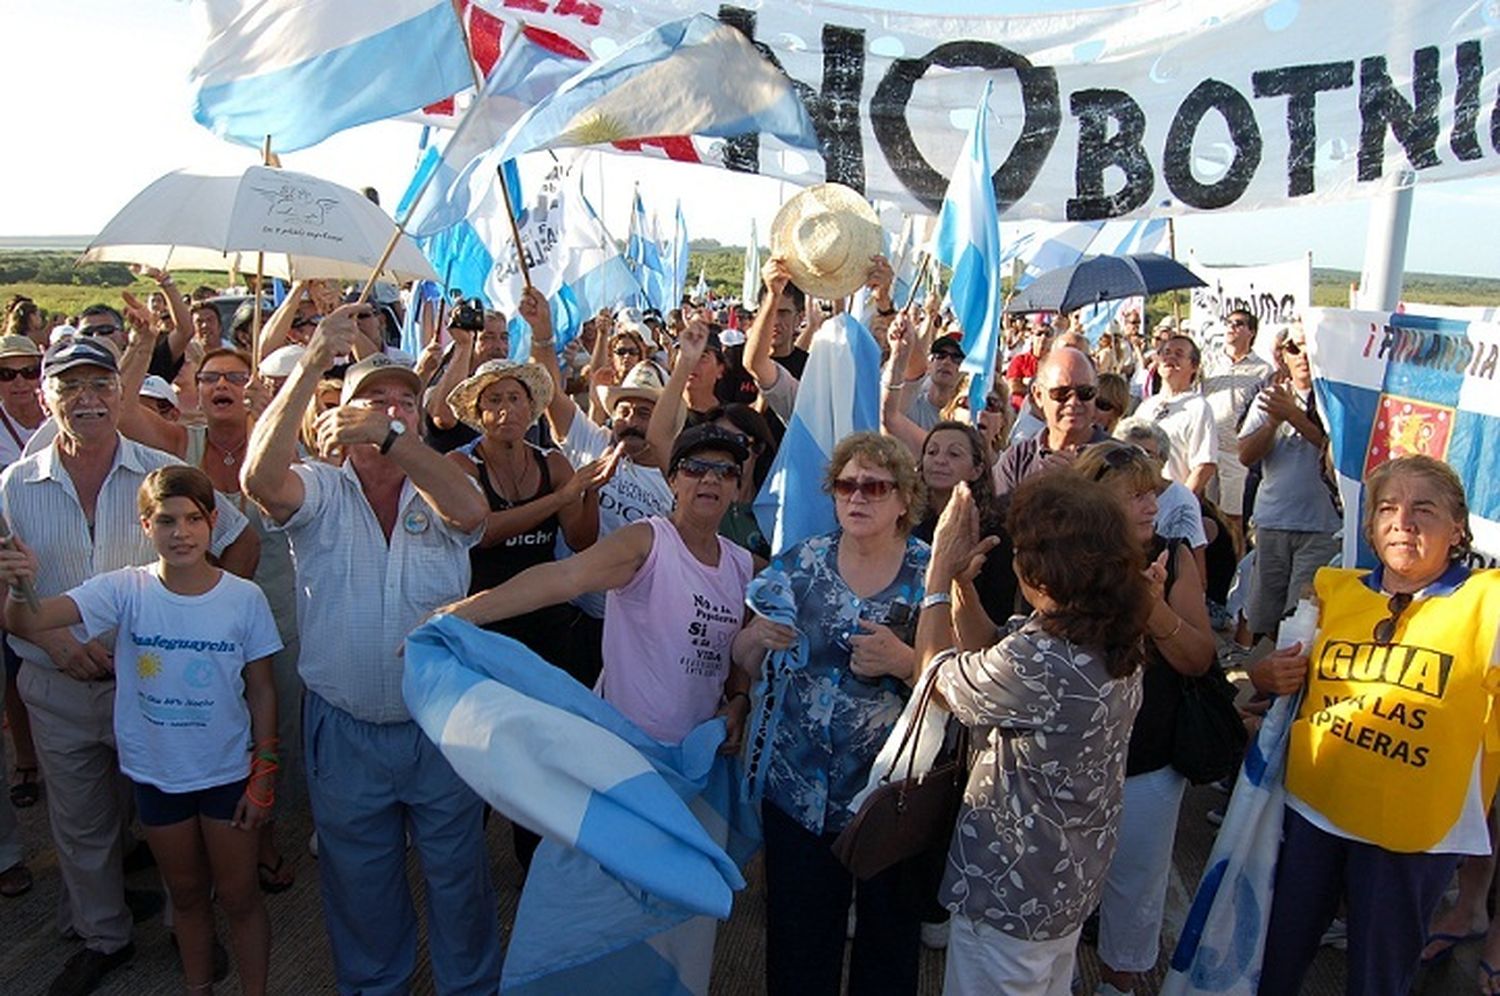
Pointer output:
94, 330
1118, 458
871, 488
627, 351
8, 374
1385, 630
99, 385
1292, 348
1085, 392
239, 378
694, 468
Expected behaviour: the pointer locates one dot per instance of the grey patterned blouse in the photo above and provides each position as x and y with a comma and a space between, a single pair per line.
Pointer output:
1038, 826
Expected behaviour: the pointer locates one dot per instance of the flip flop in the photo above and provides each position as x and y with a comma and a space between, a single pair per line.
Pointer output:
1491, 977
1452, 941
26, 792
267, 874
15, 881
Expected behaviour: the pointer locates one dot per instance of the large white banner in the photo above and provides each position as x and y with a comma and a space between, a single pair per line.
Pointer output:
1277, 294
1393, 385
1157, 107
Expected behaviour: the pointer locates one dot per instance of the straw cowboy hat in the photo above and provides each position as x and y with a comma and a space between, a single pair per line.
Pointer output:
827, 234
464, 399
645, 381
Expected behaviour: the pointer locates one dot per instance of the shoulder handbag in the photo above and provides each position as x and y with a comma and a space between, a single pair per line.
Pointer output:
1209, 738
910, 815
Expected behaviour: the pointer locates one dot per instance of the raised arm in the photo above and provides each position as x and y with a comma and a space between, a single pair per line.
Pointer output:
893, 419
273, 334
267, 475
762, 334
663, 424
537, 313
442, 414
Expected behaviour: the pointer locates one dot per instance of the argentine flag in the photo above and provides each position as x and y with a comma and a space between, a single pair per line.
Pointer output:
644, 840
643, 251
968, 241
299, 71
839, 393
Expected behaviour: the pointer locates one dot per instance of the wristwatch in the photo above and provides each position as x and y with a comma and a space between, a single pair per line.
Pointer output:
398, 429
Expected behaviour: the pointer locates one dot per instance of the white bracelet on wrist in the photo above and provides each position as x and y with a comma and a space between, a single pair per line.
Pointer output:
935, 598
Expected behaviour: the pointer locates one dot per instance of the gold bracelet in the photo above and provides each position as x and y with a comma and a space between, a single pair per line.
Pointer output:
1175, 630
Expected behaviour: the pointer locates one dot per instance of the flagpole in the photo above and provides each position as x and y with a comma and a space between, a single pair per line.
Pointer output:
395, 239
515, 230
260, 270
1176, 301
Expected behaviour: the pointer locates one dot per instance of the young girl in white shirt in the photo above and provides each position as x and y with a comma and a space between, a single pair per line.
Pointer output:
193, 692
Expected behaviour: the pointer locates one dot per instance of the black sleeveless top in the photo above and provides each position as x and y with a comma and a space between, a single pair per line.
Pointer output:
494, 565
1155, 729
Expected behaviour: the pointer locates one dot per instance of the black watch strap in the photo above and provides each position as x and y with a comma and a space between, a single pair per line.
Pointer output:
390, 440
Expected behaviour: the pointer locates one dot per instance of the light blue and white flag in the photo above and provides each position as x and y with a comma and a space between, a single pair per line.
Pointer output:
1224, 936
1391, 385
644, 841
839, 393
679, 255
526, 73
644, 256
1051, 247
968, 241
300, 72
750, 279
1121, 239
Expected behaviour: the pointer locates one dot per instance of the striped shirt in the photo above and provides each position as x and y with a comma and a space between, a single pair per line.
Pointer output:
42, 507
358, 596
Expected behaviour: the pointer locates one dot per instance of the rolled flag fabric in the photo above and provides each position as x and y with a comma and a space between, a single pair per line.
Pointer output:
750, 279
839, 393
562, 762
1224, 936
769, 594
300, 72
968, 241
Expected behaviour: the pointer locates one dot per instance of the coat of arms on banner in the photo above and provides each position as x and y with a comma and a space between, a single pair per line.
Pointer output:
1407, 427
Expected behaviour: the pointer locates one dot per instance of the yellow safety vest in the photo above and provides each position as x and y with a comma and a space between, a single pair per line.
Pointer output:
1385, 741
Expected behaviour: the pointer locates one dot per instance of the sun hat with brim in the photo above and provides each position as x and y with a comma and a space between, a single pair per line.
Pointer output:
827, 234
704, 437
464, 399
19, 345
644, 381
80, 351
281, 362
372, 367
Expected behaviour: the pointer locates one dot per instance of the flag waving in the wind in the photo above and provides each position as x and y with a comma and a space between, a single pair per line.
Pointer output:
968, 241
299, 71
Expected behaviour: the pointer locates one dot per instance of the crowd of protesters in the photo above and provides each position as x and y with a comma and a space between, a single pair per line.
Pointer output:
222, 536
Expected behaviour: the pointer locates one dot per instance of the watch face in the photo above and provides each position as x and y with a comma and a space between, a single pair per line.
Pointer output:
398, 427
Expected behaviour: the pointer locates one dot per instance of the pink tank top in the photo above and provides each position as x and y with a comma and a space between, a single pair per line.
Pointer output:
667, 634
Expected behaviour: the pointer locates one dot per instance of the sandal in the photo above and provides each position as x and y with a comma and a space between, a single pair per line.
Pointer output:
1491, 977
27, 790
1449, 942
270, 881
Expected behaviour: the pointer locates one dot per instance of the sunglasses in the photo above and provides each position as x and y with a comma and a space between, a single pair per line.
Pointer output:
1085, 392
627, 351
1118, 458
302, 323
1104, 406
1385, 630
94, 330
871, 488
239, 378
694, 469
1291, 348
951, 355
364, 314
30, 373
1238, 323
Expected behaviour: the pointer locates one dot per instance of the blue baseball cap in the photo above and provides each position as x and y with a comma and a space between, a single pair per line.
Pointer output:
79, 351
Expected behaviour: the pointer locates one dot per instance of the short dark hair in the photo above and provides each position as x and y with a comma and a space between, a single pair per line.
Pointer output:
793, 293
238, 354
1072, 542
102, 309
1250, 319
176, 481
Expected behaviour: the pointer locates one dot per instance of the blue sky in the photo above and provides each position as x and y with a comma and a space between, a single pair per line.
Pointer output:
97, 107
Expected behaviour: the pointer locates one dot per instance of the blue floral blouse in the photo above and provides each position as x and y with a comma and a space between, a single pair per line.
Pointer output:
834, 722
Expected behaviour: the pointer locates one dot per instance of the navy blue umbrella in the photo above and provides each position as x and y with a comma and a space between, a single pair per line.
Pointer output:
1095, 279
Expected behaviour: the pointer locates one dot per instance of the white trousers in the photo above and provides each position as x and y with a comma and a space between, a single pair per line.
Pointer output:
982, 961
1135, 891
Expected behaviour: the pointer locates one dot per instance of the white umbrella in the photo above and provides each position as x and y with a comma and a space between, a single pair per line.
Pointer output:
307, 228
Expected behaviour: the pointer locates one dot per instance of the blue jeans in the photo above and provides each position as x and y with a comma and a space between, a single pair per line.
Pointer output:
366, 781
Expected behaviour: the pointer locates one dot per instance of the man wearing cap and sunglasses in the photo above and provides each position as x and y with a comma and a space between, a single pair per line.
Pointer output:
1064, 389
379, 542
74, 502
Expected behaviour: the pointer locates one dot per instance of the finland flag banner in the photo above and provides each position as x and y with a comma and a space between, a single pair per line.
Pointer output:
644, 840
1392, 385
